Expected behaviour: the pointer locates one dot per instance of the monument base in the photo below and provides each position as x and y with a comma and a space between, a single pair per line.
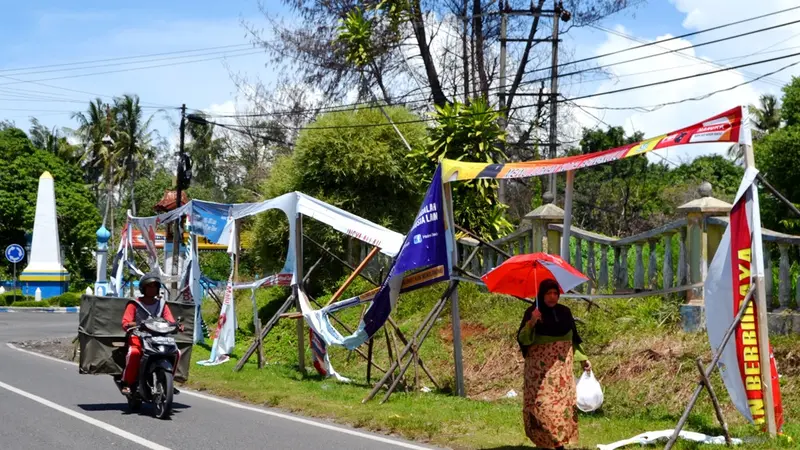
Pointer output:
693, 318
51, 284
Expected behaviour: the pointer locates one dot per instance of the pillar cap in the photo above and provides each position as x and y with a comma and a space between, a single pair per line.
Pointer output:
547, 213
706, 204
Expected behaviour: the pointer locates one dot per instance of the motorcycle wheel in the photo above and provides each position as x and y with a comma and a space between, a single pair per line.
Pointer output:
162, 398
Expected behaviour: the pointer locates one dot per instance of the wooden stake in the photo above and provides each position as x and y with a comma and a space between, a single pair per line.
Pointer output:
354, 274
704, 379
369, 361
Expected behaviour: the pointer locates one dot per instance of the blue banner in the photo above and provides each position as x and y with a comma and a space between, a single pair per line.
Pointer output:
209, 219
425, 246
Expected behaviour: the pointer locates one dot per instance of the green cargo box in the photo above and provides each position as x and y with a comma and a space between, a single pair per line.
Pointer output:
102, 340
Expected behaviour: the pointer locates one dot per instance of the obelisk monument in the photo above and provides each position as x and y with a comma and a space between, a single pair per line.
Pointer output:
45, 268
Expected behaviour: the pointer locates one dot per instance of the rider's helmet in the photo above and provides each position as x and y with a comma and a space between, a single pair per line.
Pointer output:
149, 278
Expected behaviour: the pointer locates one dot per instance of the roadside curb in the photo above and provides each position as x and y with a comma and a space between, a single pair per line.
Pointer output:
65, 310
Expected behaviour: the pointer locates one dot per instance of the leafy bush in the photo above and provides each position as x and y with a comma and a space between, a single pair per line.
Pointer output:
31, 304
66, 299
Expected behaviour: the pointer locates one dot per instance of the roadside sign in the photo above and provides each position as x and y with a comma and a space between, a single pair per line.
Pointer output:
15, 253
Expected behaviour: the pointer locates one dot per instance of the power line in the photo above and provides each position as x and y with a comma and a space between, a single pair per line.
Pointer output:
658, 83
702, 44
777, 83
121, 58
125, 70
598, 94
694, 33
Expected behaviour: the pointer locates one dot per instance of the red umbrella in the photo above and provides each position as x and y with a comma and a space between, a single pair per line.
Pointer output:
520, 275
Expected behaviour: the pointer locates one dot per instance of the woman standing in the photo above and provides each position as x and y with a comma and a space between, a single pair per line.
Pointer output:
550, 343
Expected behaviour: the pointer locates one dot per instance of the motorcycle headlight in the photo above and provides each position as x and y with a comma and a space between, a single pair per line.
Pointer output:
161, 348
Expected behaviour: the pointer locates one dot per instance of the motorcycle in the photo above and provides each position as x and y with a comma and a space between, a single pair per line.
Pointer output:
159, 358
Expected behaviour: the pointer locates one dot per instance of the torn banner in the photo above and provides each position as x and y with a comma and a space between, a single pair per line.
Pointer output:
739, 258
425, 250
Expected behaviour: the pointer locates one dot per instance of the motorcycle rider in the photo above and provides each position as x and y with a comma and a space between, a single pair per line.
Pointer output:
148, 305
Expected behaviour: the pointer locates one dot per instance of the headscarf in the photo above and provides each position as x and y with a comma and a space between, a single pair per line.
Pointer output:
556, 321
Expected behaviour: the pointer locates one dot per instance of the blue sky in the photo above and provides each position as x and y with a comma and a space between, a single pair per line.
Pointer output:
47, 32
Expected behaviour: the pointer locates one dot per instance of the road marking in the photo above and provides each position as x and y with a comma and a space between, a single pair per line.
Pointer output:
264, 411
110, 428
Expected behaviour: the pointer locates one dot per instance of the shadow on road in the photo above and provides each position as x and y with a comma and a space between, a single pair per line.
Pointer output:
123, 408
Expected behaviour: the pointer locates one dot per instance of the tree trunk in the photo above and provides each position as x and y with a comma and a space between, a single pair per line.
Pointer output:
477, 27
465, 52
425, 51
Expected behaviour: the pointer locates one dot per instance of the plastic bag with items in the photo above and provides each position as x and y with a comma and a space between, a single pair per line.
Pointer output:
590, 394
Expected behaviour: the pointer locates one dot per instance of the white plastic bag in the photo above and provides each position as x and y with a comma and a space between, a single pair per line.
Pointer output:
590, 394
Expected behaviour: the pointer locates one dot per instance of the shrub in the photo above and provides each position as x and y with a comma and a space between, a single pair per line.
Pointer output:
66, 299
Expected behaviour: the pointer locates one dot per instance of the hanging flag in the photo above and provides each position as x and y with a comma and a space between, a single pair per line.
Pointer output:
739, 258
425, 251
119, 261
225, 333
725, 127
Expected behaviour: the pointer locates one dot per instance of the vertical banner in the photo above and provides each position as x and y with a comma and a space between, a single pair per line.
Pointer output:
730, 276
225, 333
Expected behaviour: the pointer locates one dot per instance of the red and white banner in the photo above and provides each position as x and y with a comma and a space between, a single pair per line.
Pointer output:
724, 127
738, 260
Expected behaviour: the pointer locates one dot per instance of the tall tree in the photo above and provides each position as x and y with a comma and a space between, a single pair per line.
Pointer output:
98, 133
135, 140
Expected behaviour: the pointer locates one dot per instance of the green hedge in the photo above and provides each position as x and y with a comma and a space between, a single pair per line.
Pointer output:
66, 299
31, 304
63, 300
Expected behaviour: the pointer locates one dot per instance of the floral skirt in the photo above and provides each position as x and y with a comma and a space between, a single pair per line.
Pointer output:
549, 410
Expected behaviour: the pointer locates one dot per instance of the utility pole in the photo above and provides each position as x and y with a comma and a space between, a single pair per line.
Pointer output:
557, 10
177, 236
501, 186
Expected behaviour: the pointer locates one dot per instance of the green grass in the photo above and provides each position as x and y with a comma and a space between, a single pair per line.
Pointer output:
644, 363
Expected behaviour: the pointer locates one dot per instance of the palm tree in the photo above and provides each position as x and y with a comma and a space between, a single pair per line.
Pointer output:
767, 117
204, 149
97, 131
52, 141
135, 139
764, 118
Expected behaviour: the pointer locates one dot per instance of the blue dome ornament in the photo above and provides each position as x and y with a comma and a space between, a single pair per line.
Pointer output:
103, 235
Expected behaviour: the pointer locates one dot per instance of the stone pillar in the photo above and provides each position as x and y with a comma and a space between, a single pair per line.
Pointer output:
698, 245
545, 240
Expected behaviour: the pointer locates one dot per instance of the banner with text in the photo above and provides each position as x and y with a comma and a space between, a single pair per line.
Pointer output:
739, 258
725, 127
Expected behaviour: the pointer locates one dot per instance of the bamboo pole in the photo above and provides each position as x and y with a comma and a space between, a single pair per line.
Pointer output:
714, 401
353, 275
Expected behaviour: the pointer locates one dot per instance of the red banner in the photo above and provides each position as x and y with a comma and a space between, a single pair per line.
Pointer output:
725, 127
747, 337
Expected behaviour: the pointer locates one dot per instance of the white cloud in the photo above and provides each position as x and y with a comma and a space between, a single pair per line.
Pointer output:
700, 14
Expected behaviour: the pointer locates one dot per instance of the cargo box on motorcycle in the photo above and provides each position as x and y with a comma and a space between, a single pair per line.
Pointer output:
102, 339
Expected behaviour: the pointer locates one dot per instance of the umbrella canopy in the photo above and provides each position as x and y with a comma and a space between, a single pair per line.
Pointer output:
520, 275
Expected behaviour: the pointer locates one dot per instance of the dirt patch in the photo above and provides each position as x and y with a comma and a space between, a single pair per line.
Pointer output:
468, 330
57, 348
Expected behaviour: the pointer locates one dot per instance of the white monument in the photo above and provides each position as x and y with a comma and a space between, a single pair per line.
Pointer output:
45, 266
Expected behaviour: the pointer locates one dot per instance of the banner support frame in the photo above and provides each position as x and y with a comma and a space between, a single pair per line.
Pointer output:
763, 327
454, 309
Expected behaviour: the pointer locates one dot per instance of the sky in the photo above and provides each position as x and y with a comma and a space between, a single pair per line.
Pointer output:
50, 33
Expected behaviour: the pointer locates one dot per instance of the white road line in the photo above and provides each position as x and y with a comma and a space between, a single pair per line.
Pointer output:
265, 412
110, 428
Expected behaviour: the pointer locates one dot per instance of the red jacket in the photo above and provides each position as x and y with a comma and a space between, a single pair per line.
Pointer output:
136, 313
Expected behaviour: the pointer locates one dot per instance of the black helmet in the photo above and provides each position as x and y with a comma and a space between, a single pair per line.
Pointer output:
149, 278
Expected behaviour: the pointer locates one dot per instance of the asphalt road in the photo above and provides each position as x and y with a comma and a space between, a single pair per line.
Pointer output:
46, 404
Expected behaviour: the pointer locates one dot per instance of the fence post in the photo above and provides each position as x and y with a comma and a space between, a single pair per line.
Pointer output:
697, 213
540, 218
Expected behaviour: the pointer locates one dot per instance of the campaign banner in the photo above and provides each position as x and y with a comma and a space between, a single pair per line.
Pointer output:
209, 219
225, 333
725, 127
424, 253
738, 260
